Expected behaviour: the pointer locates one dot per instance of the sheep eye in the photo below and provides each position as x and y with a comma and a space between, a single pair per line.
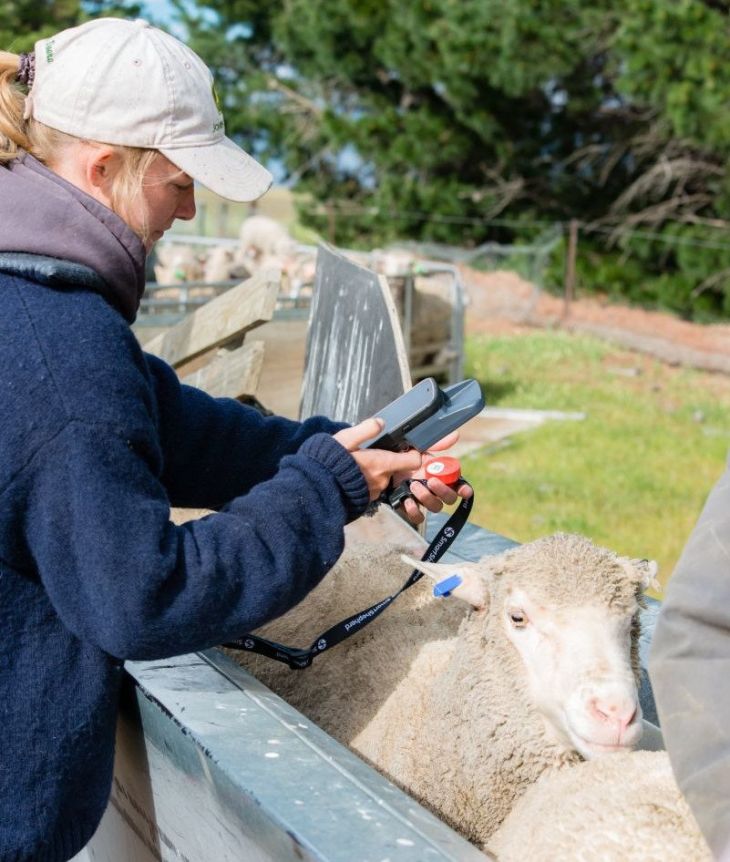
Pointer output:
517, 617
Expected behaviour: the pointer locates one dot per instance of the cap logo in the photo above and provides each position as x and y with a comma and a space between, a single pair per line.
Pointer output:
221, 124
49, 51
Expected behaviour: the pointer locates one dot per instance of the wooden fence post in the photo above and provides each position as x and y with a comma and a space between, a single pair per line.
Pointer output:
570, 266
331, 222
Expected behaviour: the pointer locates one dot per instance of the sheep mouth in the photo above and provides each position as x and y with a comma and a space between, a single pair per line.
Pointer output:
590, 748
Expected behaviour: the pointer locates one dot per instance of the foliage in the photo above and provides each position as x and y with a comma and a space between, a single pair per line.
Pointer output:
23, 22
431, 119
676, 59
462, 121
633, 475
680, 270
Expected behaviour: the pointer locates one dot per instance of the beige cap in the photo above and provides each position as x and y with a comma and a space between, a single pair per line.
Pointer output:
126, 82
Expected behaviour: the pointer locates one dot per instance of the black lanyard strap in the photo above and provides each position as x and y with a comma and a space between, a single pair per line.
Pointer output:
298, 659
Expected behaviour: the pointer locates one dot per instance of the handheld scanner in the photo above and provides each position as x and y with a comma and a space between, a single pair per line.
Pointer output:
425, 414
460, 402
404, 414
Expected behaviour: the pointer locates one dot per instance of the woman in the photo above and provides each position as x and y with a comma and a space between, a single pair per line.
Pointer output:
102, 134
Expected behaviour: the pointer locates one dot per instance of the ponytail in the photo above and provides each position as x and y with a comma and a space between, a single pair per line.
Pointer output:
13, 128
16, 131
44, 143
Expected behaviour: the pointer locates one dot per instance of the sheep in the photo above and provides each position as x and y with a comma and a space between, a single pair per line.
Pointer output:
622, 808
465, 707
177, 264
299, 270
393, 262
222, 264
265, 244
261, 236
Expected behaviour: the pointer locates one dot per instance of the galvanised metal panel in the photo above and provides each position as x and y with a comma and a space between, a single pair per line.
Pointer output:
212, 766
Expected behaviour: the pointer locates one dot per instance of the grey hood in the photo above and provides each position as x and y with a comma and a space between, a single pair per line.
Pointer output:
44, 215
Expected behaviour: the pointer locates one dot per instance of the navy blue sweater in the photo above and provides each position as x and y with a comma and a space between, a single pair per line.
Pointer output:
97, 440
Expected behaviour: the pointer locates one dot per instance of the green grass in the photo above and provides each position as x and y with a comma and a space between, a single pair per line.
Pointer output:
632, 476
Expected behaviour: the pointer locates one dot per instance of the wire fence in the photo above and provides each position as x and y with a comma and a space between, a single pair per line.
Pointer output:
347, 211
549, 255
683, 267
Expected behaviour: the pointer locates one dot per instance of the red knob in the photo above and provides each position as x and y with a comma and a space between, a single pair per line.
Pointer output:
445, 468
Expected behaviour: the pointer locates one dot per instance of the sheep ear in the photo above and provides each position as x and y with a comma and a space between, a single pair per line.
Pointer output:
474, 586
644, 571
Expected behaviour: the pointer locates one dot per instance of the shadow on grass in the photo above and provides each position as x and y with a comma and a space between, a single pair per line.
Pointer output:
494, 391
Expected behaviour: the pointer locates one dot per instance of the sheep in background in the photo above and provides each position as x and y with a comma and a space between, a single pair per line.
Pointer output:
222, 263
265, 244
393, 262
299, 271
466, 708
261, 236
177, 263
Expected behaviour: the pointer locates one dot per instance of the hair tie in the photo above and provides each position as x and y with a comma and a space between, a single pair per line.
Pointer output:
26, 69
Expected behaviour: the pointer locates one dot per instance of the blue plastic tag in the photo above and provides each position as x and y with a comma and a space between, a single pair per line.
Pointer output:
443, 588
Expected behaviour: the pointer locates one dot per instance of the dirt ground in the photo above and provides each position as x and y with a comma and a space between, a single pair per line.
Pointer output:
503, 301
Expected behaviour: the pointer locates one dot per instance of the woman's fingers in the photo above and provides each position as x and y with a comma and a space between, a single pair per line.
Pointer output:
378, 466
445, 442
413, 511
465, 491
353, 438
434, 495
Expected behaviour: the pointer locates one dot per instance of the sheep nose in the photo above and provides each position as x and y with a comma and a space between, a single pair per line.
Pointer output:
619, 712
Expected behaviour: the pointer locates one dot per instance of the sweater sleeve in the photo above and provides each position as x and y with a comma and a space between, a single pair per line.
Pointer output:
215, 449
120, 575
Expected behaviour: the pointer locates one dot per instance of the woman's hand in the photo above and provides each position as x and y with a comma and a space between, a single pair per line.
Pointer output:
435, 493
379, 466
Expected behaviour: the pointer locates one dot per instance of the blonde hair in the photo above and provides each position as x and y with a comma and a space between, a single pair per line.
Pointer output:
45, 144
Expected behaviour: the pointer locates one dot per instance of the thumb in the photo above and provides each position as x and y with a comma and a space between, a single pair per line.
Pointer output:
353, 438
445, 442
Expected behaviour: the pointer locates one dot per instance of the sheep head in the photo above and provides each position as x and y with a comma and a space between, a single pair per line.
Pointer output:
567, 614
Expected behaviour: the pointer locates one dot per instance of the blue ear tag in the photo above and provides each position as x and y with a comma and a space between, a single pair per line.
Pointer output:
443, 588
